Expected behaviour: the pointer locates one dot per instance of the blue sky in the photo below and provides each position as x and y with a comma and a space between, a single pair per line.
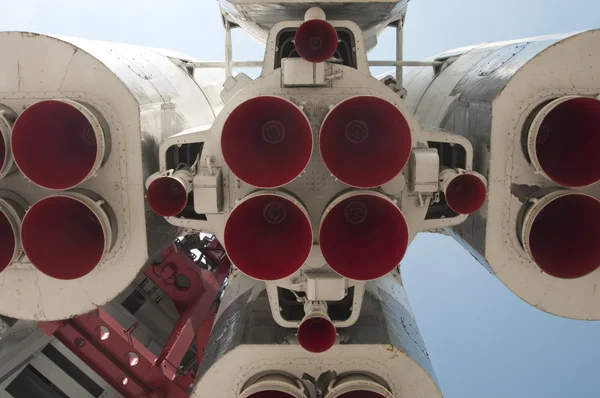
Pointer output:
484, 342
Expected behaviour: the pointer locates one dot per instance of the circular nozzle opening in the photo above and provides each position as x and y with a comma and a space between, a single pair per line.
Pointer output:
268, 236
317, 334
9, 234
3, 151
271, 394
361, 394
58, 144
275, 386
561, 232
365, 141
563, 139
65, 236
363, 236
357, 386
316, 40
167, 196
267, 141
7, 118
465, 193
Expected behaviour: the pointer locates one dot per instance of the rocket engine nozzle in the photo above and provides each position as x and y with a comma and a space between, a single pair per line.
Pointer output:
58, 144
365, 141
4, 145
361, 394
561, 231
267, 141
11, 215
167, 195
363, 235
268, 236
316, 40
271, 394
66, 236
357, 386
7, 118
317, 332
465, 192
275, 386
563, 140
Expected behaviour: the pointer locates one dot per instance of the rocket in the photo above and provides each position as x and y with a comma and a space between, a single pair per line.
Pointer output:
308, 185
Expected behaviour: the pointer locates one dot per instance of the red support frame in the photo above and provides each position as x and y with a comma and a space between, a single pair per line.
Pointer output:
127, 365
193, 304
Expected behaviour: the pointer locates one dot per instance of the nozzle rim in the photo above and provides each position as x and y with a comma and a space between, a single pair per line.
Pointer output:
294, 201
355, 193
534, 131
324, 159
535, 207
95, 206
305, 121
99, 134
14, 213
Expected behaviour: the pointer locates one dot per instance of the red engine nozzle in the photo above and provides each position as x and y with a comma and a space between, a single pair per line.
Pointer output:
58, 144
365, 141
168, 195
357, 386
3, 150
465, 193
361, 394
563, 139
316, 40
7, 242
317, 334
363, 236
275, 385
7, 118
65, 236
271, 394
561, 232
11, 215
268, 236
267, 141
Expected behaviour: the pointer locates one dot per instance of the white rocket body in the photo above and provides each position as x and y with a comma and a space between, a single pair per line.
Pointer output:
315, 177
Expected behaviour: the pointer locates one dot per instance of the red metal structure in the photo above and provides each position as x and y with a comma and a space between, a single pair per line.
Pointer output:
194, 284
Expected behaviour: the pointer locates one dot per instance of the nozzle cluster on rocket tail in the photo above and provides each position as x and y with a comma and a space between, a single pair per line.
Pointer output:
250, 356
77, 142
530, 108
316, 177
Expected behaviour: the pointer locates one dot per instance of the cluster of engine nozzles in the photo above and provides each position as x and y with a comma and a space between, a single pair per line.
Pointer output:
561, 231
278, 385
560, 228
364, 142
57, 145
267, 142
